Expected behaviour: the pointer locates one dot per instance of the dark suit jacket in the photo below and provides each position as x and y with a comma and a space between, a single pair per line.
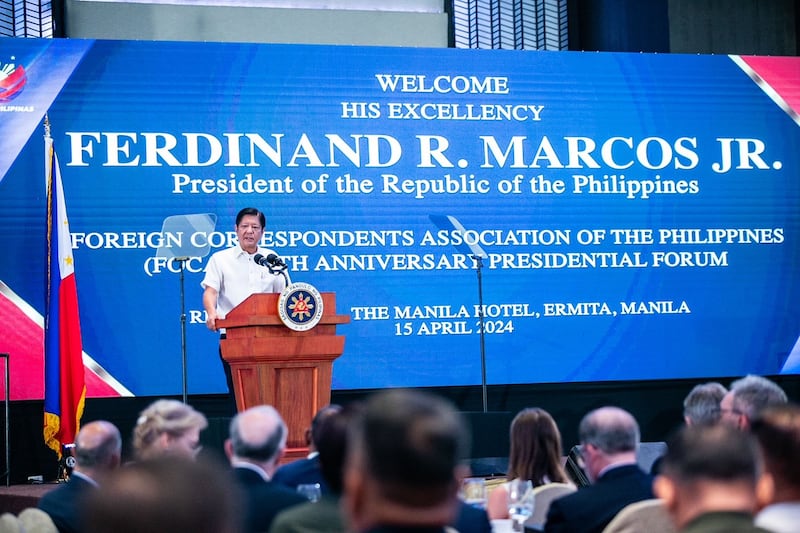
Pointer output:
263, 499
472, 519
302, 471
591, 508
63, 504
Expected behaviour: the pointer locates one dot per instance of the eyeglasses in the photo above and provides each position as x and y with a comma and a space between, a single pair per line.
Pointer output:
580, 453
196, 448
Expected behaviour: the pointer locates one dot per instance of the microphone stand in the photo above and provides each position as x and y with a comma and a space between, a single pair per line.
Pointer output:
182, 261
478, 266
275, 269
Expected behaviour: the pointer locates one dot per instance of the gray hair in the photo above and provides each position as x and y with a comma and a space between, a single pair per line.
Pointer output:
701, 405
611, 429
752, 394
272, 436
97, 444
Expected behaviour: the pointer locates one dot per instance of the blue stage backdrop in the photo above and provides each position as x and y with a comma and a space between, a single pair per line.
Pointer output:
636, 214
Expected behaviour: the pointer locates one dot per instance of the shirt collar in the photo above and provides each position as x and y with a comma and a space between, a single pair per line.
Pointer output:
250, 466
242, 252
84, 477
613, 466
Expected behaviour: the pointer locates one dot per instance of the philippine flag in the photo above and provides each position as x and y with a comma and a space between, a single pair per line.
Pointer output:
64, 383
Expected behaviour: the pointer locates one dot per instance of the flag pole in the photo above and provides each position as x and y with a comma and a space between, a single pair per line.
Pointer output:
64, 377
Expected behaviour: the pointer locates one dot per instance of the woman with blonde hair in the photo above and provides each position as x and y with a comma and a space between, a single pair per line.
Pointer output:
168, 427
535, 455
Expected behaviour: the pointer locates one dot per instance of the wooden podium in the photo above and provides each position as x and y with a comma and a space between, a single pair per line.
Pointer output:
272, 364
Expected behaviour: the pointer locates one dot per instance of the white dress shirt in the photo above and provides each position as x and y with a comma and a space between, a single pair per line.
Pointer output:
235, 276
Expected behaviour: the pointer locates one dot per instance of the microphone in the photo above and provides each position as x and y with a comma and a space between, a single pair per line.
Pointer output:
271, 260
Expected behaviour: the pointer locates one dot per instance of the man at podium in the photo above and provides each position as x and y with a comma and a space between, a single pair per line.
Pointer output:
232, 275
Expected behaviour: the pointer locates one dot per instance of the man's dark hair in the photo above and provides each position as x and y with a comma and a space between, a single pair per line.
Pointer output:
715, 453
331, 443
701, 405
165, 494
319, 417
252, 211
412, 443
778, 432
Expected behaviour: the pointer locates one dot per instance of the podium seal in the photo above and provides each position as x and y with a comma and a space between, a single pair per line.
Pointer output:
300, 306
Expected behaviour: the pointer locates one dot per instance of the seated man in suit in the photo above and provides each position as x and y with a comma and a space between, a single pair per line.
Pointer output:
98, 449
609, 439
307, 471
404, 464
256, 444
710, 477
331, 433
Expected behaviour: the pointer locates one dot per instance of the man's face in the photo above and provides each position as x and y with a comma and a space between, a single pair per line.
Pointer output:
729, 413
249, 232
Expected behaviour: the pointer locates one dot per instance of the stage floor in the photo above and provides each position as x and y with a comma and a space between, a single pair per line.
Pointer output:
15, 498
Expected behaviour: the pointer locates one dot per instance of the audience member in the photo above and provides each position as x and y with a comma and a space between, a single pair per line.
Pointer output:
307, 471
404, 464
98, 449
777, 430
747, 397
330, 437
710, 477
609, 439
471, 519
166, 494
168, 427
535, 455
34, 520
701, 405
30, 520
256, 444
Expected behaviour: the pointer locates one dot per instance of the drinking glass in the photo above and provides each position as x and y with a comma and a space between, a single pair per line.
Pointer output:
311, 491
473, 491
520, 502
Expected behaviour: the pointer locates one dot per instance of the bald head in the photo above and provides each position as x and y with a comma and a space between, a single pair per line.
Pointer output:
257, 435
98, 446
611, 429
609, 437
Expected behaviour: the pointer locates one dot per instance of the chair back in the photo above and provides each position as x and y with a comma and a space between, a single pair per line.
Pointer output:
543, 496
646, 515
649, 453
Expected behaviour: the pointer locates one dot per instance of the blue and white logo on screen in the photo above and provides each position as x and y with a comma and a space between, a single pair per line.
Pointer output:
300, 306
